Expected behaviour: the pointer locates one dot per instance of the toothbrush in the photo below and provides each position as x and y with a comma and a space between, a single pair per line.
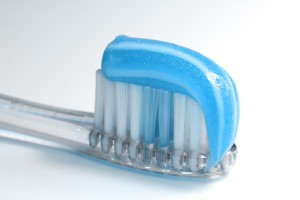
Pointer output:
159, 107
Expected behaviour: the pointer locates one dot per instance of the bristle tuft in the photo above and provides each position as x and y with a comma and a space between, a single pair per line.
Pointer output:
151, 125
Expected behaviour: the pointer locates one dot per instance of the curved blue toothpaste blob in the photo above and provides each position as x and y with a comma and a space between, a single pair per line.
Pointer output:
171, 67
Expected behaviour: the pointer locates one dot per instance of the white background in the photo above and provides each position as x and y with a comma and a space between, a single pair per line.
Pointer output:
49, 52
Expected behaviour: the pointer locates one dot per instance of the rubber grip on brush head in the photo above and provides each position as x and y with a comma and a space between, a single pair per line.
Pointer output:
171, 67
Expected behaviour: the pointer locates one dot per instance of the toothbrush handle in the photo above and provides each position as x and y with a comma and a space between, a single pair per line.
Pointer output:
44, 124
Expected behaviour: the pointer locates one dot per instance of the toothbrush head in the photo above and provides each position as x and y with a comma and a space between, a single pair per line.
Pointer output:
164, 108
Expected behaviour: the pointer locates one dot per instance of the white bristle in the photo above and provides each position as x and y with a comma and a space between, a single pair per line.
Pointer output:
164, 117
203, 134
128, 108
121, 96
194, 124
186, 124
150, 101
99, 104
109, 110
135, 112
179, 121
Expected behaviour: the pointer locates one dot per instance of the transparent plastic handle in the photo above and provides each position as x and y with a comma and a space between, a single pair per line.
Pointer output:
62, 126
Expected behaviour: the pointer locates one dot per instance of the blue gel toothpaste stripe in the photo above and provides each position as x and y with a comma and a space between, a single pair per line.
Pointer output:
180, 70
